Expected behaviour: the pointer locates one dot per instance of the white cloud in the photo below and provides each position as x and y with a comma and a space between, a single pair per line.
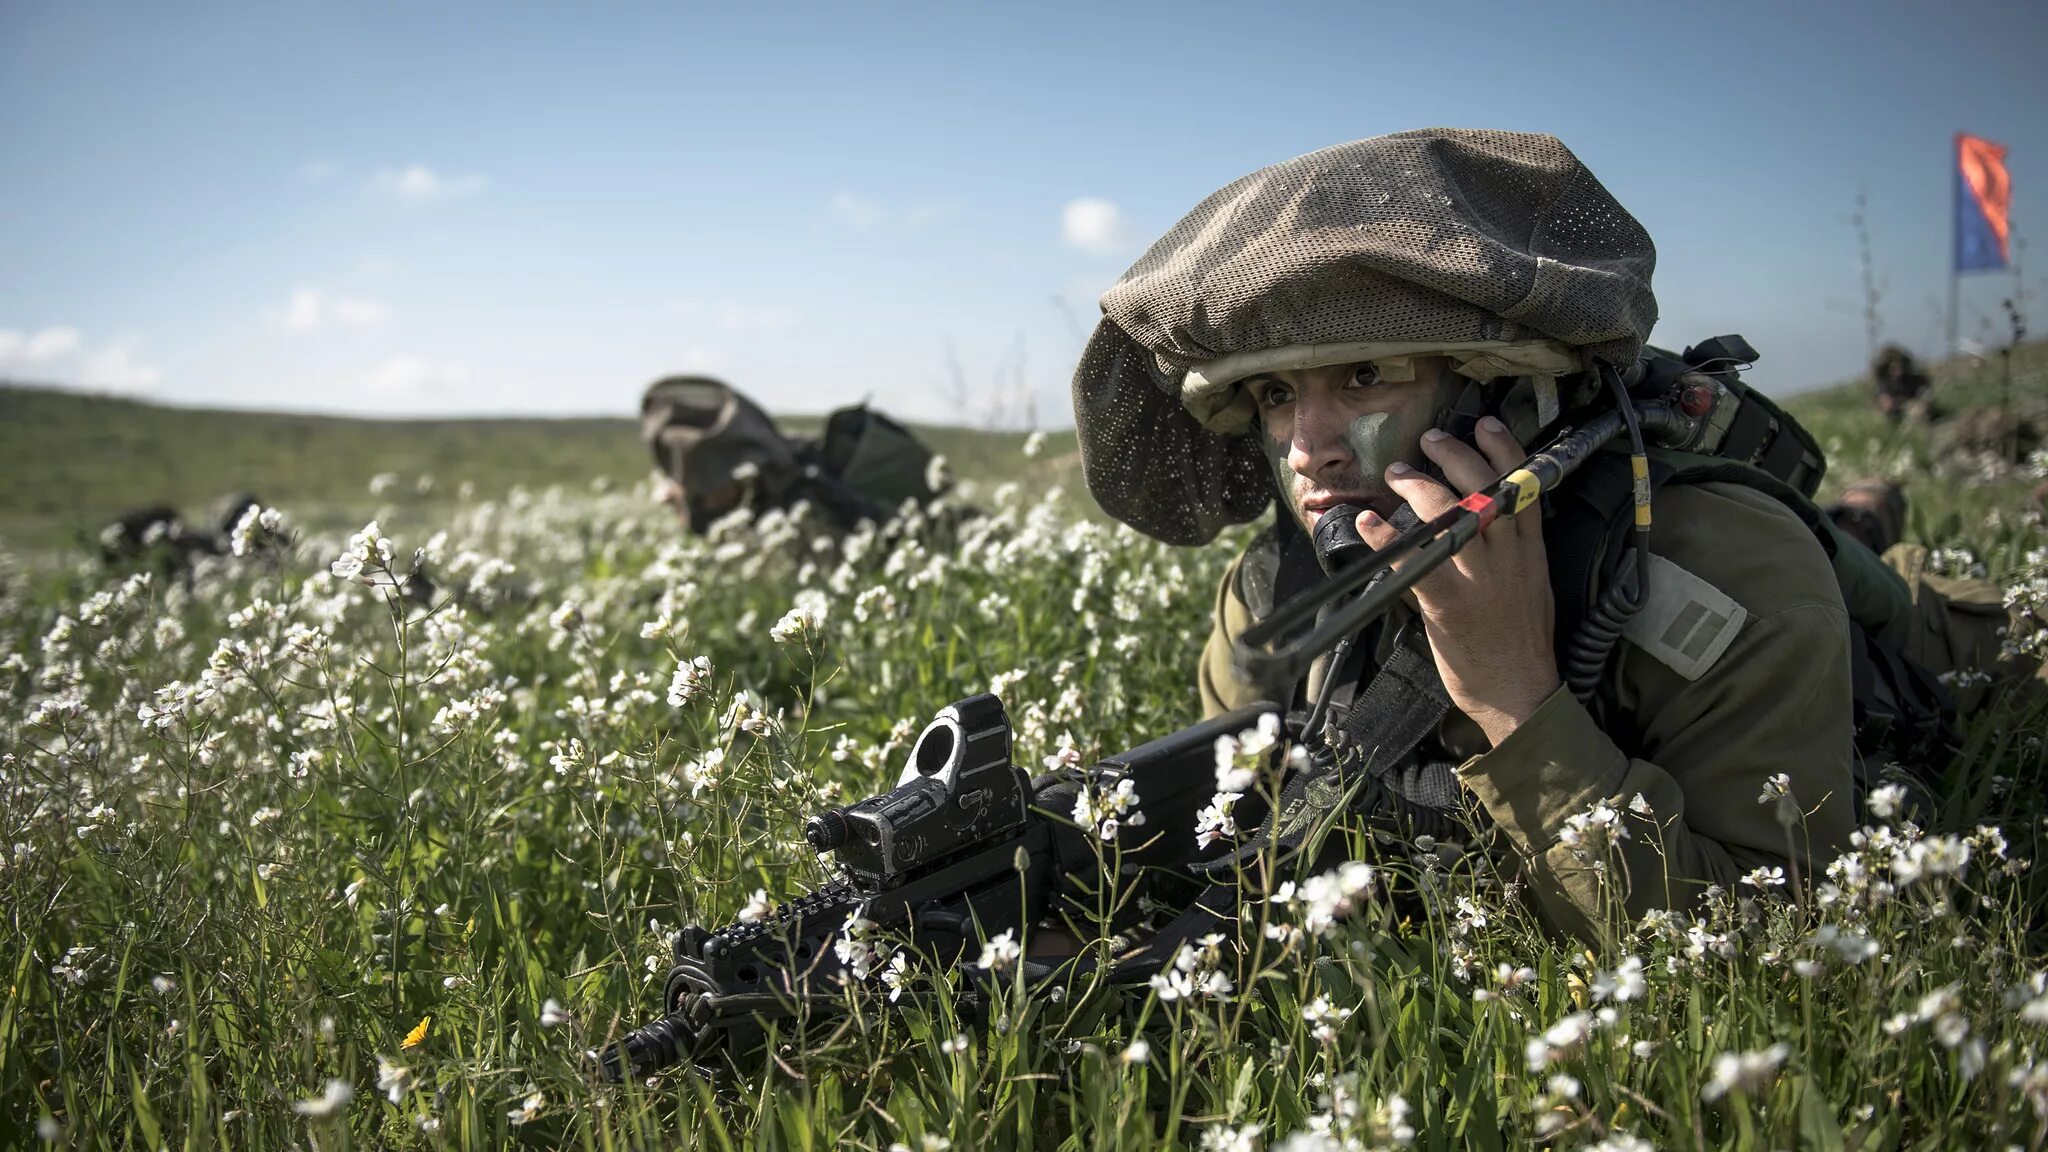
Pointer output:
37, 347
406, 375
60, 355
311, 309
419, 184
115, 368
861, 213
1092, 224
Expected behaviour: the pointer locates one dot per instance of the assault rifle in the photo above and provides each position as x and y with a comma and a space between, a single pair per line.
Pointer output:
964, 848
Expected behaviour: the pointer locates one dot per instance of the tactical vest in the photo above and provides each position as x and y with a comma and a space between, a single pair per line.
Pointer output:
1391, 714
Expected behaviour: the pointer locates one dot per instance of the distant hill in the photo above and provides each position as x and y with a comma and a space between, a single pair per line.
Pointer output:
69, 462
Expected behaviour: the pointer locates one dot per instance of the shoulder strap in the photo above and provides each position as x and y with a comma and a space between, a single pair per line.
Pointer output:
1900, 709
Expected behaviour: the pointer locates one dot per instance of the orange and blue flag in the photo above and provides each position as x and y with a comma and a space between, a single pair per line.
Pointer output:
1983, 204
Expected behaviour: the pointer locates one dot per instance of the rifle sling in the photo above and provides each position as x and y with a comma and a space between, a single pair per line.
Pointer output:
1400, 707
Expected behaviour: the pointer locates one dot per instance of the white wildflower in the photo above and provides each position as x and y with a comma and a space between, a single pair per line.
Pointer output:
896, 975
393, 1080
1558, 1041
1765, 878
853, 948
1000, 951
1746, 1072
704, 771
1324, 1018
1884, 803
692, 679
1230, 1138
528, 1109
334, 1096
1623, 984
1104, 812
1591, 833
1215, 821
1325, 898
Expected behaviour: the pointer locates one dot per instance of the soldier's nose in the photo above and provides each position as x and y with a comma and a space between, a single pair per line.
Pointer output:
1318, 446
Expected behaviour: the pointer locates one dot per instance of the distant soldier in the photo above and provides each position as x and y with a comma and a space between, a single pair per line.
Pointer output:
1901, 384
141, 534
1963, 625
716, 451
1989, 430
156, 536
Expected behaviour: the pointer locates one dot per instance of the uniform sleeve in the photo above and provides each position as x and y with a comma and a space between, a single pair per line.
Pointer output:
1778, 700
1220, 688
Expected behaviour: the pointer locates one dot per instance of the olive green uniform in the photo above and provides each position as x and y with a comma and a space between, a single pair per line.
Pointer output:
1959, 629
1777, 700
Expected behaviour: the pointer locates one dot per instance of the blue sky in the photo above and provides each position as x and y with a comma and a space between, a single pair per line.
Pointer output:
412, 209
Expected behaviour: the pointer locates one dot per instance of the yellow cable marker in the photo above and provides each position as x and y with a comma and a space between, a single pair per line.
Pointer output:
1640, 465
1527, 488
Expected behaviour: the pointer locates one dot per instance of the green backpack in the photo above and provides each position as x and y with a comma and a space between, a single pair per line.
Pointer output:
1901, 711
703, 432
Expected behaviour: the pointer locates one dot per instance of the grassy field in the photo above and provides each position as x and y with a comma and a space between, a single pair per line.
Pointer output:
73, 462
293, 860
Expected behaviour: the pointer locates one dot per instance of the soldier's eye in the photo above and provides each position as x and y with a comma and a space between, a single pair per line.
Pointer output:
1272, 394
1365, 376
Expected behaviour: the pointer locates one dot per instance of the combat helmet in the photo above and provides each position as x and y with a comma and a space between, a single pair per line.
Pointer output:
716, 445
1497, 249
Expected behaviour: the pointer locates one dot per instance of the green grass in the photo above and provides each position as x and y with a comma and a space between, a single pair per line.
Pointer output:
73, 462
257, 827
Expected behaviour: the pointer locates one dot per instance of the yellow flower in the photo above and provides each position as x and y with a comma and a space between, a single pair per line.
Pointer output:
418, 1035
1577, 985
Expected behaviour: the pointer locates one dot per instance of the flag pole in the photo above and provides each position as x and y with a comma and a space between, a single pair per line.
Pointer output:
1955, 218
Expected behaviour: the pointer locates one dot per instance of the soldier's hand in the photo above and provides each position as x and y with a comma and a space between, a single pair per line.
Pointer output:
1488, 611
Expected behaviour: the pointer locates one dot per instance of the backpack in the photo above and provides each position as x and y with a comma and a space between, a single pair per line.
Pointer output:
1902, 712
702, 432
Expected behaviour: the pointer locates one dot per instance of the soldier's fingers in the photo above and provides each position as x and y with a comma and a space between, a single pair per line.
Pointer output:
1426, 496
1502, 450
1465, 468
1374, 531
1506, 453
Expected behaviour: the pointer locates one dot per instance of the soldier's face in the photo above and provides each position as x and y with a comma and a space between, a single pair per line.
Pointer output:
1331, 432
697, 509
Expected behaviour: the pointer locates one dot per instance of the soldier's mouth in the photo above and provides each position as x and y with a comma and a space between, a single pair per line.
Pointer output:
1313, 507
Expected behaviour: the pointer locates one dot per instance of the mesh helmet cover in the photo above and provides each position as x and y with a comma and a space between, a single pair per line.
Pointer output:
1441, 238
701, 430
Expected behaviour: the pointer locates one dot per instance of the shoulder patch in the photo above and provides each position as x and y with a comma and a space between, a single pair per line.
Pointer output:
1686, 622
1258, 574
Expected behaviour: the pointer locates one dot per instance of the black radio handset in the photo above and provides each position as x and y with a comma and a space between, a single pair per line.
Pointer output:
1461, 419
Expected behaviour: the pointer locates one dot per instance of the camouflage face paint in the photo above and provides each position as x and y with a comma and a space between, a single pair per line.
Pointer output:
1379, 439
1374, 440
